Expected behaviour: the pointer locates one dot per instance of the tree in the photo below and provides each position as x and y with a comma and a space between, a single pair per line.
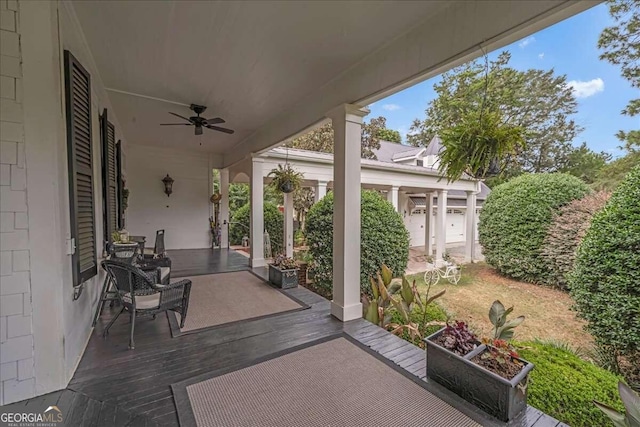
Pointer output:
303, 199
321, 139
584, 163
389, 135
538, 101
621, 46
614, 172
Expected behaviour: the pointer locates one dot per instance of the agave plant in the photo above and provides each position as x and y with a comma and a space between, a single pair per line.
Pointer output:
631, 401
503, 329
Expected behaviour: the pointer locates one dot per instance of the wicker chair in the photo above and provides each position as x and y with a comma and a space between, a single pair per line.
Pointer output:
125, 255
140, 294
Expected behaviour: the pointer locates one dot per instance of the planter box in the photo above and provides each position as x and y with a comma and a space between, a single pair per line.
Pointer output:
497, 396
284, 279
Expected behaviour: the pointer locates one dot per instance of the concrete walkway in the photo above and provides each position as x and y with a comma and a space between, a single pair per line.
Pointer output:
417, 258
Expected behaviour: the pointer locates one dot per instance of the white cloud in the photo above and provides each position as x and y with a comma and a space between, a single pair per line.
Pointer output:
526, 42
541, 55
586, 89
391, 107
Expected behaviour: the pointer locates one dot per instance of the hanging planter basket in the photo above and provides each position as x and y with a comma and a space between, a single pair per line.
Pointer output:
285, 178
286, 187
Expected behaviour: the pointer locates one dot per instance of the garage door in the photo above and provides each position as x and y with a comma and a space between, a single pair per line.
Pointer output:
455, 225
415, 226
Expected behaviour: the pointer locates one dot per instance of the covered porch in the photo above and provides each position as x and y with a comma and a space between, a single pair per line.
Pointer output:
87, 80
114, 386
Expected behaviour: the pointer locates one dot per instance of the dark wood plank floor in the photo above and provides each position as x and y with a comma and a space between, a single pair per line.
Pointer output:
115, 386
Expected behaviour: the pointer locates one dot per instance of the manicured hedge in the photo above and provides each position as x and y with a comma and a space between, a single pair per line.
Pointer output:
605, 283
515, 218
569, 226
383, 240
273, 222
564, 386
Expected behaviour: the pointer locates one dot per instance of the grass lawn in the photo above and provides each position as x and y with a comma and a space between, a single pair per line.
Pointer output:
547, 311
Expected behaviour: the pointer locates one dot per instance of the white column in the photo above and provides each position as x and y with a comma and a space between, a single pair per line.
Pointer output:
441, 225
428, 225
347, 123
392, 197
470, 241
224, 208
257, 213
288, 224
321, 191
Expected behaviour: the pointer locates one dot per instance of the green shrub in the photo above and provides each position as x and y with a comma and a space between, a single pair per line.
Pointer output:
435, 314
605, 283
383, 239
564, 386
565, 233
273, 222
515, 218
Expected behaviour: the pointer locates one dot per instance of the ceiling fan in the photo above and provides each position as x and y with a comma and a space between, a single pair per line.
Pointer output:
199, 122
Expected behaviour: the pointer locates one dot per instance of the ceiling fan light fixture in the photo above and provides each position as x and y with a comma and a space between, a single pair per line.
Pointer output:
198, 130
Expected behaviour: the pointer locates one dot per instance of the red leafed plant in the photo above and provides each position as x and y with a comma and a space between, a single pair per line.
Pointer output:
458, 338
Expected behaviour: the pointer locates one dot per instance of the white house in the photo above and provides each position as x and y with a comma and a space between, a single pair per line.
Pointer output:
84, 87
395, 171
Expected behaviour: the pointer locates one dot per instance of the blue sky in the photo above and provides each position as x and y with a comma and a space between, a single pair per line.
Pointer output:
569, 47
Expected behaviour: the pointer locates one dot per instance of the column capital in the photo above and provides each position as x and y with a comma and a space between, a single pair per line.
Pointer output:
471, 193
394, 188
443, 192
256, 158
349, 112
322, 183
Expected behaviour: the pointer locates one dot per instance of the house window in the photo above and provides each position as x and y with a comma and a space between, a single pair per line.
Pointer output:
80, 160
420, 162
110, 176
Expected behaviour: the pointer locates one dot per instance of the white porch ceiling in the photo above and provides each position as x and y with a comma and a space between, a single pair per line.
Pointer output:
273, 68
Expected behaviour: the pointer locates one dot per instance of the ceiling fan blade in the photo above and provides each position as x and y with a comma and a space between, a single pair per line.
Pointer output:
215, 121
182, 117
176, 124
219, 129
198, 130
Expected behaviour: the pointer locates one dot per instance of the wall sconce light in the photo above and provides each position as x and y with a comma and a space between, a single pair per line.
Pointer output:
168, 185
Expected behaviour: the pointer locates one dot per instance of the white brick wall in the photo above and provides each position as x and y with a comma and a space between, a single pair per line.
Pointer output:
17, 380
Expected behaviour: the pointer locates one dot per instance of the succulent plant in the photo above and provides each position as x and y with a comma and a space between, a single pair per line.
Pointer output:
631, 401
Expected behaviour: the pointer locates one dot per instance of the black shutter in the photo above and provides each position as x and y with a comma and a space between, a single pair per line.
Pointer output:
109, 176
120, 184
81, 194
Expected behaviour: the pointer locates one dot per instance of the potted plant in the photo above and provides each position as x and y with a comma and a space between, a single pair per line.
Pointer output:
283, 272
490, 374
121, 244
285, 178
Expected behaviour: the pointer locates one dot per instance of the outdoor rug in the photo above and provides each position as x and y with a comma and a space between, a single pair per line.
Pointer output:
221, 299
334, 381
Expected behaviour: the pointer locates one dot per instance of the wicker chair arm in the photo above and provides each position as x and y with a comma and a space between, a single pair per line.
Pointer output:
173, 285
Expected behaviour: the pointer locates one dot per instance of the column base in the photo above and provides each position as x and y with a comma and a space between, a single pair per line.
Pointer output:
257, 262
350, 312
